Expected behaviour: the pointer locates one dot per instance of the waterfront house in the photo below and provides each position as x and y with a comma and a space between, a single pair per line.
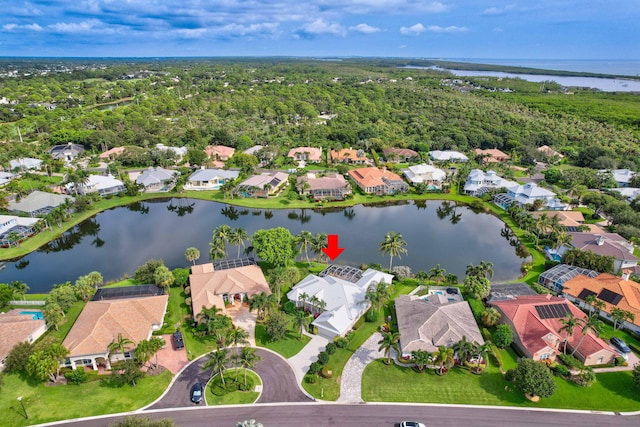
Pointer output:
425, 174
103, 185
479, 182
209, 179
38, 203
18, 326
329, 187
607, 244
378, 181
262, 185
157, 179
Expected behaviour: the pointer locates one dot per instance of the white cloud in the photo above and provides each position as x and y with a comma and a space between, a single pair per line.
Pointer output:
413, 30
365, 29
12, 27
450, 29
498, 10
497, 30
93, 26
320, 26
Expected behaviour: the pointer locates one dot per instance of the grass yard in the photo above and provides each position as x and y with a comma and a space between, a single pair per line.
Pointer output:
46, 404
611, 392
70, 318
289, 346
216, 395
122, 283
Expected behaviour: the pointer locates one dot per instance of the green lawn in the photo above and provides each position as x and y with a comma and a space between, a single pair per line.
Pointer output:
287, 347
611, 392
122, 283
214, 394
509, 358
46, 404
70, 319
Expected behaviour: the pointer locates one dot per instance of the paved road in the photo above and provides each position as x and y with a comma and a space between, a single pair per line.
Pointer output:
279, 382
385, 415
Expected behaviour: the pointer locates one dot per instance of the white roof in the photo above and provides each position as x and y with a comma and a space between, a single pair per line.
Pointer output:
253, 150
447, 155
209, 174
423, 172
531, 190
38, 200
154, 176
622, 176
180, 151
99, 182
478, 179
629, 192
25, 163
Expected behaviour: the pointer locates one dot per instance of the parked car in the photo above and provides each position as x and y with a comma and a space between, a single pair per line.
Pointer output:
178, 341
620, 345
196, 393
411, 424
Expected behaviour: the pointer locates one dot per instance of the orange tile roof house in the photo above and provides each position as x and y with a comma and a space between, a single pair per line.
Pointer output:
378, 181
307, 154
492, 155
571, 220
16, 328
216, 287
349, 155
536, 320
102, 321
219, 152
614, 291
112, 153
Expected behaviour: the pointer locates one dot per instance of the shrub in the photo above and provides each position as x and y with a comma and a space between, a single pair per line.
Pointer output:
619, 361
534, 378
341, 342
560, 370
503, 336
326, 372
289, 307
586, 378
323, 358
486, 335
187, 301
570, 361
372, 315
187, 290
331, 348
510, 375
497, 358
310, 379
77, 376
314, 368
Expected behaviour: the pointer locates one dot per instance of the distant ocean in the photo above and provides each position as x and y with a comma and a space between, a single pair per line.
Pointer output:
620, 67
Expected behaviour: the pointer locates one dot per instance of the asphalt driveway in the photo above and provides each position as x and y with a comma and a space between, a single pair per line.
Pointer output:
278, 382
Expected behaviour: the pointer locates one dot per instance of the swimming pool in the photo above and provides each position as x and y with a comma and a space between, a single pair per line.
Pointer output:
37, 315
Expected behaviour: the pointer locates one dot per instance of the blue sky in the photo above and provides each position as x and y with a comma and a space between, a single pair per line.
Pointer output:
549, 29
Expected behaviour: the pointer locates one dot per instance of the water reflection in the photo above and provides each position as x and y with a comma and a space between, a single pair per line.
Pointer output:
71, 238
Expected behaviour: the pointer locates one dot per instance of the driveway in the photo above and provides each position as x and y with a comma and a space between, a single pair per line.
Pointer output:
278, 382
242, 317
173, 360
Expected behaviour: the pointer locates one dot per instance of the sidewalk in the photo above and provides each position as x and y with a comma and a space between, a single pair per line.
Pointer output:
301, 361
351, 381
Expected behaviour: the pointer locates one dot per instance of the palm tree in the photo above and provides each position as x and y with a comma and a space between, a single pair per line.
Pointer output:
588, 325
19, 288
237, 237
259, 302
217, 362
319, 242
490, 317
437, 273
420, 358
562, 239
221, 236
192, 254
304, 241
248, 360
473, 270
486, 268
444, 356
389, 341
568, 325
377, 294
207, 314
217, 249
301, 321
302, 298
238, 336
119, 345
393, 245
481, 352
465, 349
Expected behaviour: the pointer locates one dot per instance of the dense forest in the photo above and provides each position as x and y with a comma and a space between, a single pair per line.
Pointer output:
277, 102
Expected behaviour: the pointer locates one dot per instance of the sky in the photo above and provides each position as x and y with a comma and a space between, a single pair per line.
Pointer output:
540, 29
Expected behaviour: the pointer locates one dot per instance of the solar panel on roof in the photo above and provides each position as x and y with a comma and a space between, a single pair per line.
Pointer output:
585, 293
610, 296
552, 311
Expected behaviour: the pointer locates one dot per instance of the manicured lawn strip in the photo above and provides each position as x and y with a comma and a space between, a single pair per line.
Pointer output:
612, 391
287, 347
40, 182
509, 358
46, 404
606, 332
35, 297
70, 318
122, 283
235, 397
177, 312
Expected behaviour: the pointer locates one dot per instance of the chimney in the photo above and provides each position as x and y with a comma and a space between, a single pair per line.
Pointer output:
626, 273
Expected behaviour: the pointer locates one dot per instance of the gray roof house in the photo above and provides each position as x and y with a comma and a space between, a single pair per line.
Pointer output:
209, 179
66, 152
25, 163
157, 179
621, 176
38, 203
426, 324
607, 244
103, 185
262, 185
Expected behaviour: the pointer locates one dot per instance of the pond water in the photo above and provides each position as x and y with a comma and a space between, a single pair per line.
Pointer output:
117, 241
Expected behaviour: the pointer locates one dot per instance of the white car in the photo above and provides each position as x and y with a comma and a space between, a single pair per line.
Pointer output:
411, 424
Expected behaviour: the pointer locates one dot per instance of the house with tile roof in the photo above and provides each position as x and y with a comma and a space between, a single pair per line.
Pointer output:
572, 221
400, 155
66, 152
479, 182
607, 244
349, 155
217, 287
157, 179
492, 155
342, 290
219, 152
263, 185
427, 323
328, 187
425, 174
378, 181
112, 153
536, 322
38, 203
306, 154
613, 291
550, 152
210, 179
101, 322
447, 156
16, 328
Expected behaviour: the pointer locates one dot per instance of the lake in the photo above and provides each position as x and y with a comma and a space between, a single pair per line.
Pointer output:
117, 241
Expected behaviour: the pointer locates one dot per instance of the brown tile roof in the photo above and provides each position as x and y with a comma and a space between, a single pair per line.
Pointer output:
629, 290
399, 152
15, 328
548, 151
372, 177
536, 333
115, 151
101, 321
347, 153
220, 151
493, 155
208, 284
566, 218
612, 244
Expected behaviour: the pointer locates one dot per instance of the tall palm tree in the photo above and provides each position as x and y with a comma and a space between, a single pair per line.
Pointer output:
481, 352
465, 349
486, 268
248, 360
238, 336
393, 245
217, 362
562, 239
437, 273
19, 288
319, 242
304, 241
259, 302
301, 321
207, 314
588, 325
389, 341
237, 237
221, 235
444, 357
119, 345
377, 294
302, 299
217, 249
569, 323
192, 254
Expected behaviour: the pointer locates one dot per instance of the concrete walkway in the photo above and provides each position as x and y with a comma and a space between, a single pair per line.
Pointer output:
351, 381
633, 360
309, 354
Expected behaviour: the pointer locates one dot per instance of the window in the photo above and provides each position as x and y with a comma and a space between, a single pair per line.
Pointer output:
544, 356
600, 360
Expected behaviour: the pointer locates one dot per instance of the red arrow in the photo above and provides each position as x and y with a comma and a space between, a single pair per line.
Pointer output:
332, 250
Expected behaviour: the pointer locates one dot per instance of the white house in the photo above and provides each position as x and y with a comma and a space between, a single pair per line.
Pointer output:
25, 163
156, 179
629, 192
103, 185
179, 151
342, 291
621, 176
527, 194
447, 156
425, 174
210, 179
479, 182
